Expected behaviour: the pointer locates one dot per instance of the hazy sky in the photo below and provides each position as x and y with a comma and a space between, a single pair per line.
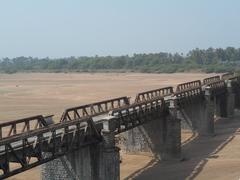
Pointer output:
59, 28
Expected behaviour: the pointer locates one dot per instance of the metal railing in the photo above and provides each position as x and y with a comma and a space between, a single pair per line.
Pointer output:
94, 109
149, 95
22, 125
27, 149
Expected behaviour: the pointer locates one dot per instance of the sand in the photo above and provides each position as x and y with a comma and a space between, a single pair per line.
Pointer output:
25, 95
42, 93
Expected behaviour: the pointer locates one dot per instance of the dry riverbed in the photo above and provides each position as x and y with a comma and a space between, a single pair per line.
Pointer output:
26, 94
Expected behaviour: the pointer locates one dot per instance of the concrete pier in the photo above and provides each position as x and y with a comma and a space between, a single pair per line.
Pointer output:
206, 114
230, 99
95, 162
237, 96
227, 102
172, 143
80, 164
160, 137
109, 159
199, 113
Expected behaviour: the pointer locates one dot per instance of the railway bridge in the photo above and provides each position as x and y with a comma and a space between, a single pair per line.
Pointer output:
82, 145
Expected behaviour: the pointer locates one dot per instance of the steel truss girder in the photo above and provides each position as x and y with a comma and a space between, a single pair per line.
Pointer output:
227, 76
15, 127
94, 109
56, 140
188, 85
211, 80
149, 95
138, 114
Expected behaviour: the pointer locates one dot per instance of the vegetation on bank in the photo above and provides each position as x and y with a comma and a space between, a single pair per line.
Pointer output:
210, 60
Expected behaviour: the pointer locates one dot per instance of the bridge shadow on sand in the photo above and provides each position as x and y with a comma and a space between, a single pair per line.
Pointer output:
195, 154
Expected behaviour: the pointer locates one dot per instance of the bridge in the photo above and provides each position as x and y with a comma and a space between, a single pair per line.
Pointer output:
82, 145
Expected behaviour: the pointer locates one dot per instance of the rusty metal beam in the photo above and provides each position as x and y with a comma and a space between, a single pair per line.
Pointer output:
15, 127
149, 95
138, 114
188, 85
211, 80
227, 76
55, 140
94, 109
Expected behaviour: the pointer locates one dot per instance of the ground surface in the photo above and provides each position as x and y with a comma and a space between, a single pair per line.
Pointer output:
213, 158
24, 95
41, 93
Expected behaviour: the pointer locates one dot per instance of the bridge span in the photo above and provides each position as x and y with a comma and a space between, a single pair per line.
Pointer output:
82, 145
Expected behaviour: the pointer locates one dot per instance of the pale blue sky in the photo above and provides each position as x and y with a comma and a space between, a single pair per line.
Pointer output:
60, 28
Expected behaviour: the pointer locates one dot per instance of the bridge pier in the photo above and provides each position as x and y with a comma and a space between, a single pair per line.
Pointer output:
172, 144
227, 102
230, 99
196, 114
217, 104
199, 113
109, 159
76, 165
95, 162
237, 96
206, 115
160, 137
190, 115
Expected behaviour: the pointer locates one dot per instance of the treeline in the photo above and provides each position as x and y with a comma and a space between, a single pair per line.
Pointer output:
209, 60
